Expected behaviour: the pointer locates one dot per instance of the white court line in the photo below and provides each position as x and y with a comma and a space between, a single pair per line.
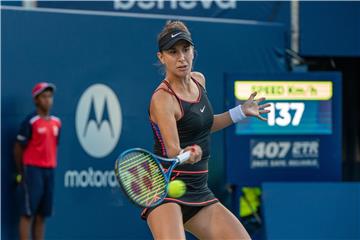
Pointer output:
142, 15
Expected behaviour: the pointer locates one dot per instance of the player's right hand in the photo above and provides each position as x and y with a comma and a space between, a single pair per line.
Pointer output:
195, 153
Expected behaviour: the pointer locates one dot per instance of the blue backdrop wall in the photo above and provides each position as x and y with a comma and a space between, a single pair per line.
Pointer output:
326, 28
105, 70
330, 28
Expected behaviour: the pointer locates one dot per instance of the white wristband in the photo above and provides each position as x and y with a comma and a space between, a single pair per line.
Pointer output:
237, 114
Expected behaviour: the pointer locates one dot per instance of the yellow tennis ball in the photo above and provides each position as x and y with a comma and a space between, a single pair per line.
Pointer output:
18, 178
176, 188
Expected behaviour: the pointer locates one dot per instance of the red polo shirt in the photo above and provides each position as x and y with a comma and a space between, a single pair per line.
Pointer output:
40, 136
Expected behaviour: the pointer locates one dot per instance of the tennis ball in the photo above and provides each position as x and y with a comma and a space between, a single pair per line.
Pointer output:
176, 188
18, 178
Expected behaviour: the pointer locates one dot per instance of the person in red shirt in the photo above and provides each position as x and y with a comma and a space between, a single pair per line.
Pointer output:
35, 153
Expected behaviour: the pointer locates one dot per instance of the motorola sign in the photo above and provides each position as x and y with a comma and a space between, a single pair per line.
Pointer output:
98, 120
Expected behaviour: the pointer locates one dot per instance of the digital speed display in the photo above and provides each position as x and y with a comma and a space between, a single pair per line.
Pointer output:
297, 107
301, 139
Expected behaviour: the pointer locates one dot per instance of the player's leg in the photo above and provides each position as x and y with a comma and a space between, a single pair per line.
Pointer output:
165, 222
216, 222
24, 227
46, 204
38, 227
31, 191
25, 211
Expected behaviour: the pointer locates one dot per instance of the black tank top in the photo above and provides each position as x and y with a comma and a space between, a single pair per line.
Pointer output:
193, 128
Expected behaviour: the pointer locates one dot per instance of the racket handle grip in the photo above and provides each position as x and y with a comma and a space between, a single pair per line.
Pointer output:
183, 157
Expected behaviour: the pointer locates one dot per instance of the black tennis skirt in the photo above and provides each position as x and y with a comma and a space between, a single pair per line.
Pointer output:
197, 195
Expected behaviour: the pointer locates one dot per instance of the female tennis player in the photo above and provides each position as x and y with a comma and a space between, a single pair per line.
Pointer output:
182, 119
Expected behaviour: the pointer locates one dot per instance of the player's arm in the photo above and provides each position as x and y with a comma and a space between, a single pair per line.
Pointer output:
163, 113
249, 109
221, 121
22, 138
18, 155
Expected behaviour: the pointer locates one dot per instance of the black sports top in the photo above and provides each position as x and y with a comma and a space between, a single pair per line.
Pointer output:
193, 128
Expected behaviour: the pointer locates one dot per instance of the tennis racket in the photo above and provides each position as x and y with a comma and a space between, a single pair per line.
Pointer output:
142, 177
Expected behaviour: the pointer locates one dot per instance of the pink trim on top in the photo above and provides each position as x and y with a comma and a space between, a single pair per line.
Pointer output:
197, 84
170, 91
158, 135
160, 88
193, 203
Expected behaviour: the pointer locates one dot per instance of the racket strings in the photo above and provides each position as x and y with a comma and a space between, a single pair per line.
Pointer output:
129, 161
142, 178
152, 198
146, 195
147, 198
155, 184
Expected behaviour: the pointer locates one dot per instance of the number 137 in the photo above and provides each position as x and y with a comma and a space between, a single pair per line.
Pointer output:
284, 117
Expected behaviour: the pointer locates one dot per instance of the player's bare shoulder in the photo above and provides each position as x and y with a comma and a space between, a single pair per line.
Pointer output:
199, 77
162, 102
161, 97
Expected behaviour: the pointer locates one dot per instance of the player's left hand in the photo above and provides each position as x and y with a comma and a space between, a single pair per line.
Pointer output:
251, 107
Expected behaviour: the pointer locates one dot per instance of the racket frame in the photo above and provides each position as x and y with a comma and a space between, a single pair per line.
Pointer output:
157, 159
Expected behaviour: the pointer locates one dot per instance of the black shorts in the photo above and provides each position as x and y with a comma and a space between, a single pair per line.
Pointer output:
197, 195
36, 191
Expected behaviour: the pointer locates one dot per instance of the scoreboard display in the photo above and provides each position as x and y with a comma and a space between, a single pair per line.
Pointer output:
301, 139
297, 107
